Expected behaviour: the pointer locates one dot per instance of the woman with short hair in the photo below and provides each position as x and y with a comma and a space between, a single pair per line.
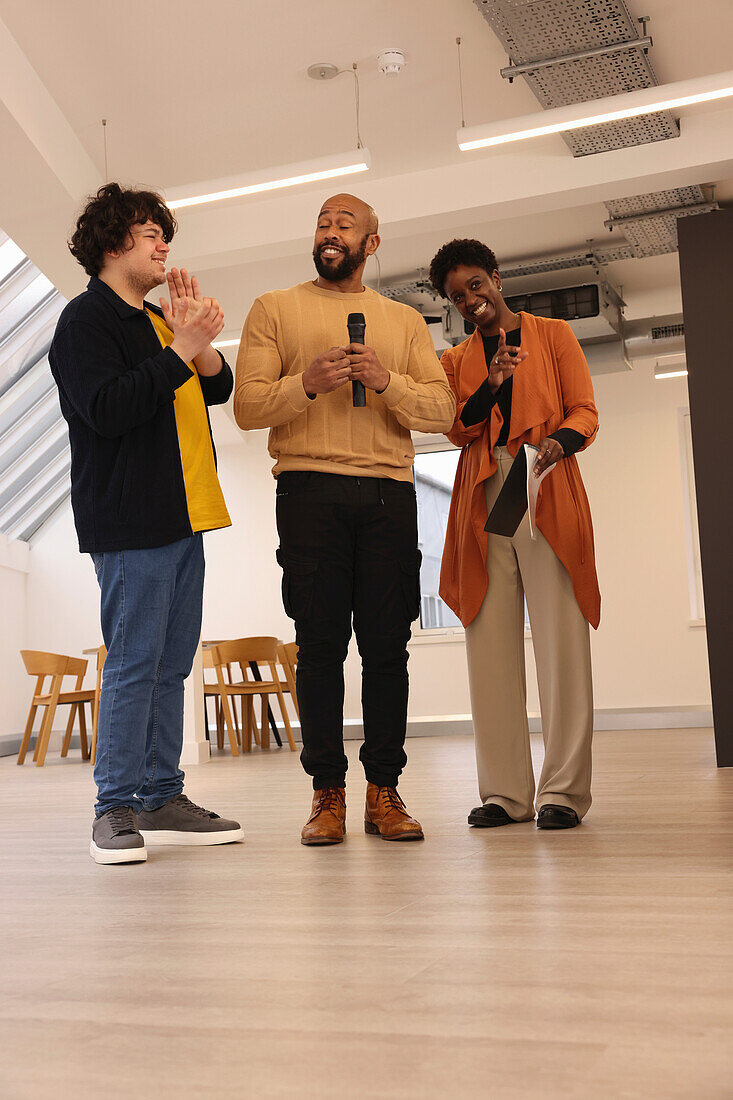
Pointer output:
520, 379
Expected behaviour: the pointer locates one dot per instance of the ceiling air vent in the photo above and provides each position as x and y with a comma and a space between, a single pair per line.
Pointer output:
664, 332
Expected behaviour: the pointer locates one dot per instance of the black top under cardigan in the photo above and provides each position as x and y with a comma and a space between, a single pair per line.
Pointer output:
479, 405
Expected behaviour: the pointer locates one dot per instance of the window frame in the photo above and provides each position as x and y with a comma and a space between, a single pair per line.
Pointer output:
692, 536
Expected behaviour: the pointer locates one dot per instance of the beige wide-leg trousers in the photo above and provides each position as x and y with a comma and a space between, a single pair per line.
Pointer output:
519, 568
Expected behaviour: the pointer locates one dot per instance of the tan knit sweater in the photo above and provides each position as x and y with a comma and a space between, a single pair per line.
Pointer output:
286, 330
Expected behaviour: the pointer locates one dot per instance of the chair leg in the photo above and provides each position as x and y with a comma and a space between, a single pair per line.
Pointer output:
95, 728
236, 719
219, 724
286, 720
39, 735
290, 680
27, 734
45, 735
253, 721
229, 724
83, 731
69, 727
265, 724
247, 723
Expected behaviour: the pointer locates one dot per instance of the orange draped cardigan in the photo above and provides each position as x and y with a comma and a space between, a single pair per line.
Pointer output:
552, 389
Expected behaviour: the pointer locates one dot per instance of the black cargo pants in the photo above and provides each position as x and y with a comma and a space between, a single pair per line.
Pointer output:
348, 547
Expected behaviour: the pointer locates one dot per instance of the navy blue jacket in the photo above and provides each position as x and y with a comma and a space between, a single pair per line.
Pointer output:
117, 387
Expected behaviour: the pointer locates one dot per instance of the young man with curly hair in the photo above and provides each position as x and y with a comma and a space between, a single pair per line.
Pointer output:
134, 384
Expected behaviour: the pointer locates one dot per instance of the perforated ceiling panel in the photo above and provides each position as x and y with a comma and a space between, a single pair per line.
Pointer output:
536, 30
656, 234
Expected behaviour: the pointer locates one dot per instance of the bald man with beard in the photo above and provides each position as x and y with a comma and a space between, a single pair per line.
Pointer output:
346, 507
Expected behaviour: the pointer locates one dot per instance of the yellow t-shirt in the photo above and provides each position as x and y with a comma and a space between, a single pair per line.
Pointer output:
206, 508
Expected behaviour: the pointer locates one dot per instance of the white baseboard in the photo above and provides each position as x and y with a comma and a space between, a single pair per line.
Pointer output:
610, 718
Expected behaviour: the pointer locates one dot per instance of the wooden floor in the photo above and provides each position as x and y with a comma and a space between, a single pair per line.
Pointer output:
503, 963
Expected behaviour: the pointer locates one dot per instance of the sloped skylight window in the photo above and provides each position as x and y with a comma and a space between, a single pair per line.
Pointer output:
34, 443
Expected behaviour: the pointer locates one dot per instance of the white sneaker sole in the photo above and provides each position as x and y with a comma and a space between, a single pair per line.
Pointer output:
117, 855
176, 836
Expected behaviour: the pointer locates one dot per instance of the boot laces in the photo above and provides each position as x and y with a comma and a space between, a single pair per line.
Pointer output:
330, 799
391, 800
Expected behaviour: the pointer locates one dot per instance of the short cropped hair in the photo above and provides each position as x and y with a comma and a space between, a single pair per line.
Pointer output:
104, 223
454, 254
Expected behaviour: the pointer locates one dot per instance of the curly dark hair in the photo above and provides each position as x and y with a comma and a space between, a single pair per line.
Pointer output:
104, 223
457, 252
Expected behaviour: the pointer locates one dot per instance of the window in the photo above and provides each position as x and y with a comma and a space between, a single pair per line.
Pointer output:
692, 537
34, 446
435, 471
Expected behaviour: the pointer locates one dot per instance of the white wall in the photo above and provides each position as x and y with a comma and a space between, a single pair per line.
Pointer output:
645, 653
15, 684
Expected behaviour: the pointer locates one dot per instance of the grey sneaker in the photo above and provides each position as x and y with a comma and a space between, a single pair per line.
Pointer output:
116, 839
181, 821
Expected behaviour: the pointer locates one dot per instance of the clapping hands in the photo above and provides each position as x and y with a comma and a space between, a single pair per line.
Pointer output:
194, 320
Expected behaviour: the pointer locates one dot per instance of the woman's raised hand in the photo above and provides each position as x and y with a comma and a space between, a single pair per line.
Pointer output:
504, 362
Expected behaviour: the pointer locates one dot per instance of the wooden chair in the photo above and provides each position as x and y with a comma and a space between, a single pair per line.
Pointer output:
101, 658
245, 652
211, 691
56, 666
287, 655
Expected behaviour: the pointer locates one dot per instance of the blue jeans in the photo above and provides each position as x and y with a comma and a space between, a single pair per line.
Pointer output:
151, 623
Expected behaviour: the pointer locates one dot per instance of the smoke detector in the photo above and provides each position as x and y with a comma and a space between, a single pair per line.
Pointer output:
391, 62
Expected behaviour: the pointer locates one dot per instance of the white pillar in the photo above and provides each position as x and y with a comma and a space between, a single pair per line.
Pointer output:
195, 746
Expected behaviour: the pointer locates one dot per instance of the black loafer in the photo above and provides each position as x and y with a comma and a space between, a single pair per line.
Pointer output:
490, 816
557, 817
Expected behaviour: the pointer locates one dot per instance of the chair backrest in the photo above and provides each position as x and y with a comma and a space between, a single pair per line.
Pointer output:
290, 653
41, 665
101, 657
242, 651
76, 666
38, 663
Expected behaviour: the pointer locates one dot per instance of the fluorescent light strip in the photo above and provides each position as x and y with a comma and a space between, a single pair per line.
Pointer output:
683, 93
290, 176
225, 344
671, 374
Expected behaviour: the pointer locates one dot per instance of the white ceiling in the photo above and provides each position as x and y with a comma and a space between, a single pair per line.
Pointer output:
194, 92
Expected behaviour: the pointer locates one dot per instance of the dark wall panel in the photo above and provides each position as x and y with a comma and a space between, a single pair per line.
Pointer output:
706, 267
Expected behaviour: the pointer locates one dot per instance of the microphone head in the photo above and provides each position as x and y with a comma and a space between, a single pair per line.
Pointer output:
356, 324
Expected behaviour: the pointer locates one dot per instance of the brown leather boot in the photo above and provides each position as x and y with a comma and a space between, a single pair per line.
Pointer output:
385, 815
327, 822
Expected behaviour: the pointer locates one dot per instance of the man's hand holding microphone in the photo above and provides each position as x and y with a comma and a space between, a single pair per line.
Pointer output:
355, 362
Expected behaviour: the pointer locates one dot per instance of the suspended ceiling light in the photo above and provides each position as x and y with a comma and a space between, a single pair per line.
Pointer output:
673, 365
271, 179
645, 101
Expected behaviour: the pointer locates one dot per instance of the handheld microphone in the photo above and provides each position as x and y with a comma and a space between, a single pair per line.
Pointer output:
357, 327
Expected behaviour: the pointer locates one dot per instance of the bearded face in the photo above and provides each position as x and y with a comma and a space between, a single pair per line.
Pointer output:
336, 262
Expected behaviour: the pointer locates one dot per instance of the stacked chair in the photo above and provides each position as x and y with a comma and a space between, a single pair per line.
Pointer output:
249, 656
